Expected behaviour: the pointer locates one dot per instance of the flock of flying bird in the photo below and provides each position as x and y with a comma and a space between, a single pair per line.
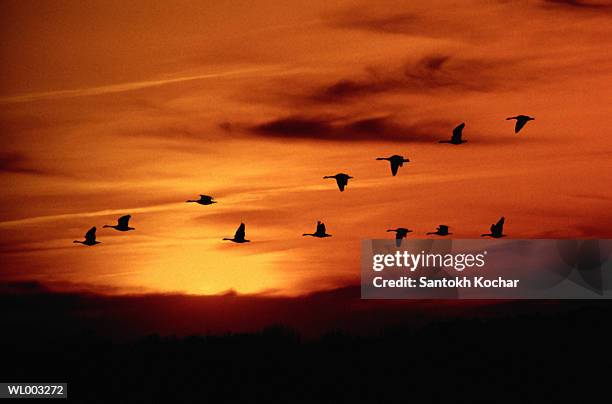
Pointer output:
396, 161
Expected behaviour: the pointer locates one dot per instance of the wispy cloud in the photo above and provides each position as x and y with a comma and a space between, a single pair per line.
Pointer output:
582, 4
137, 85
48, 218
17, 163
393, 23
415, 20
429, 73
343, 129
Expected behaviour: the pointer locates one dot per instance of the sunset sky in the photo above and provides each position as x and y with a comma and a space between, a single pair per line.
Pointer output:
110, 108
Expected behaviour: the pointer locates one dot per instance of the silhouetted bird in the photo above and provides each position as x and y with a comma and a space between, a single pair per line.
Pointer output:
204, 200
341, 179
521, 120
400, 233
441, 230
239, 235
320, 231
396, 162
457, 133
90, 237
496, 230
122, 224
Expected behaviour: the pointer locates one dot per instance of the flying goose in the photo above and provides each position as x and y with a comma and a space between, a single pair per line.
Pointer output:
341, 180
496, 230
204, 200
457, 133
400, 233
396, 161
90, 238
239, 235
122, 224
320, 232
441, 230
521, 120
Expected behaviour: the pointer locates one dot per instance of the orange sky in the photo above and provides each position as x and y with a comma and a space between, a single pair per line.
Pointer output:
109, 109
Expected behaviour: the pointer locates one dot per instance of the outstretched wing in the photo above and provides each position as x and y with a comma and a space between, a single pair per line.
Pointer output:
240, 233
520, 122
320, 227
457, 132
90, 236
499, 225
394, 166
123, 221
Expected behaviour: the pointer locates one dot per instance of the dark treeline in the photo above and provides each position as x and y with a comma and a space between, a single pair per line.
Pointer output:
515, 358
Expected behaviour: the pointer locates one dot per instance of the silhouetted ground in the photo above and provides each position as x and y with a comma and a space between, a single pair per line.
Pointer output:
525, 355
